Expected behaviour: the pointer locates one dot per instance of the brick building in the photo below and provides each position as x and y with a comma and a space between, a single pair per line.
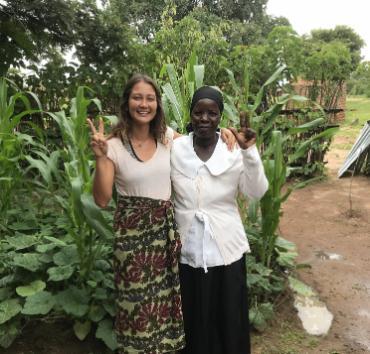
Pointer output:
331, 98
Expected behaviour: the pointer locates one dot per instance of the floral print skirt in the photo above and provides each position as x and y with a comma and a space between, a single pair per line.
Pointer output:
146, 252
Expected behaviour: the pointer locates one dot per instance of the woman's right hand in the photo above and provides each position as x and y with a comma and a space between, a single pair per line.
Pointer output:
98, 141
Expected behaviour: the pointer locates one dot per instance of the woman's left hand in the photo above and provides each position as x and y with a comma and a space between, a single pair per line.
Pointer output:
228, 138
246, 136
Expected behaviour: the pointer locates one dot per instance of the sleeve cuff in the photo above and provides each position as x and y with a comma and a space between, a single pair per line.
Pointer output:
251, 154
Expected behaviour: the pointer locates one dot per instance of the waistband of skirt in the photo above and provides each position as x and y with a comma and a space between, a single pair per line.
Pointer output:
133, 202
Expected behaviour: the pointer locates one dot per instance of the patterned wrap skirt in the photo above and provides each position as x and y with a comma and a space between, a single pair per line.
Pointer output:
146, 253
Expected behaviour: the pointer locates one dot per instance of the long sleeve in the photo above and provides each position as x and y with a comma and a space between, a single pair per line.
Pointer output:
253, 182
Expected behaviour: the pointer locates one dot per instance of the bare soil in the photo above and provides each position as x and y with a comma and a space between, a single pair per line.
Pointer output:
318, 219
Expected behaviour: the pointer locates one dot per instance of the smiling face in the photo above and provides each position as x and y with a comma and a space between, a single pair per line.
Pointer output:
142, 103
205, 118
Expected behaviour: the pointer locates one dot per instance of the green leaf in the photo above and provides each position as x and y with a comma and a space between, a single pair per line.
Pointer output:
94, 216
46, 247
39, 304
67, 256
82, 329
260, 314
92, 283
96, 313
234, 85
300, 288
8, 279
22, 241
23, 226
307, 126
55, 241
304, 146
199, 75
112, 119
8, 333
29, 261
106, 333
175, 104
74, 301
31, 289
174, 82
110, 307
46, 258
286, 258
42, 167
5, 293
8, 309
285, 244
60, 273
100, 294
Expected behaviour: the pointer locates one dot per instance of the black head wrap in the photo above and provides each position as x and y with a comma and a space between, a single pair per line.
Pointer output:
207, 92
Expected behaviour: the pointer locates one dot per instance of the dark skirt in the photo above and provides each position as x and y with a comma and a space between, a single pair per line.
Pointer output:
146, 252
215, 308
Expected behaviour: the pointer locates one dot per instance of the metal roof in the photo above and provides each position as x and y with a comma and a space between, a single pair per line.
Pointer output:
360, 147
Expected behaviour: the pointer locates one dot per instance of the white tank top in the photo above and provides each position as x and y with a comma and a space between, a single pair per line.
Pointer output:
150, 178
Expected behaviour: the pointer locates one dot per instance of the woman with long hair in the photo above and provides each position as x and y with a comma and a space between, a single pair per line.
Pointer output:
136, 158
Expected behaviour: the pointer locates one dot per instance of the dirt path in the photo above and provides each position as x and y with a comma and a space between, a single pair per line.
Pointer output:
317, 220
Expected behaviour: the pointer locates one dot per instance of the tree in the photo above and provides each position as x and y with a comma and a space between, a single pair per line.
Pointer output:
108, 51
146, 17
359, 82
284, 47
327, 66
174, 44
29, 28
243, 10
345, 35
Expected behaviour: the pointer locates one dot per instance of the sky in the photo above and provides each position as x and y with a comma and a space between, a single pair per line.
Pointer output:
305, 15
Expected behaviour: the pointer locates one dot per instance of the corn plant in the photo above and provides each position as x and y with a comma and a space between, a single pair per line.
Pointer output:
269, 251
86, 220
88, 226
13, 144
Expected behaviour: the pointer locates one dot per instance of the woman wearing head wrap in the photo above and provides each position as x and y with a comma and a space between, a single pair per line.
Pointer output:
207, 178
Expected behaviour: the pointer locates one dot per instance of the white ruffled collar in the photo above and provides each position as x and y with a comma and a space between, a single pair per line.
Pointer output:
186, 161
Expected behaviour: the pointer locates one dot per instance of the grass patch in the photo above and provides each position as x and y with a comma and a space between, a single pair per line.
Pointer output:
289, 340
357, 113
284, 334
342, 146
357, 107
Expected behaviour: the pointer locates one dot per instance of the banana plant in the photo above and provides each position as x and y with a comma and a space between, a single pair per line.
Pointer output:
178, 92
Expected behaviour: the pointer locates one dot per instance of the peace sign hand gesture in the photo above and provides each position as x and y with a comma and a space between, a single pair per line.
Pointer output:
246, 136
98, 140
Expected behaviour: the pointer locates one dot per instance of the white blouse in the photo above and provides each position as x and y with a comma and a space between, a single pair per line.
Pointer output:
206, 209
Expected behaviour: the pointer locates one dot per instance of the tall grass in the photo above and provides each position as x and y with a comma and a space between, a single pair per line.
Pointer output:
356, 115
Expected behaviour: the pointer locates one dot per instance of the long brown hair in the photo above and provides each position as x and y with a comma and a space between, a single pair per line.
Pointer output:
157, 125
